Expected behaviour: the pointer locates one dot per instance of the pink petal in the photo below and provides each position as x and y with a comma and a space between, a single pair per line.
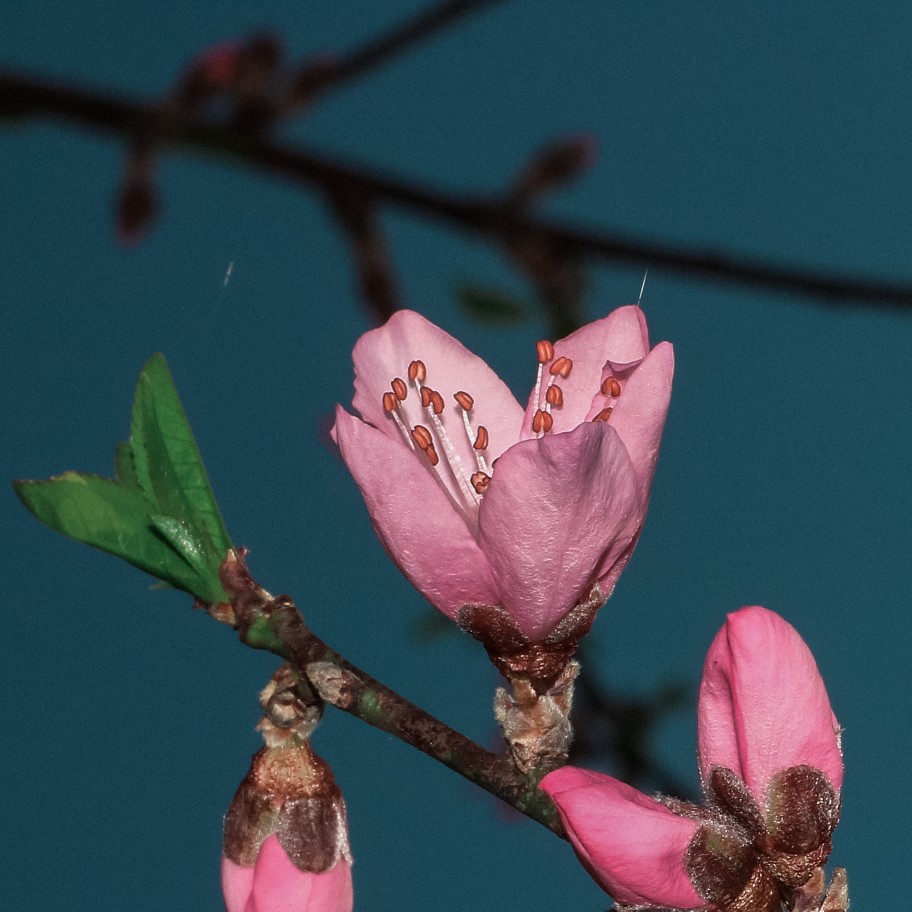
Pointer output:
385, 353
612, 566
620, 339
555, 508
763, 705
628, 338
237, 882
632, 845
415, 519
639, 415
278, 886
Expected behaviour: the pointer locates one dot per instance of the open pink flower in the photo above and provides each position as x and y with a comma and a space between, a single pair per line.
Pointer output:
485, 506
275, 884
771, 766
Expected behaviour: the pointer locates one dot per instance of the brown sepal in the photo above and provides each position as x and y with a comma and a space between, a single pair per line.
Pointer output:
802, 809
729, 792
314, 832
251, 817
514, 655
726, 872
284, 787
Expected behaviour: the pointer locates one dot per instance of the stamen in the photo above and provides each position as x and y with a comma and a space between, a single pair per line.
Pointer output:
405, 432
603, 415
478, 441
545, 351
399, 388
610, 387
422, 436
433, 404
554, 395
391, 407
561, 367
542, 422
465, 401
453, 459
481, 481
538, 382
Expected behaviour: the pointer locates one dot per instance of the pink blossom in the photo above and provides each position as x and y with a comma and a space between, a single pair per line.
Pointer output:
758, 717
484, 505
771, 766
275, 884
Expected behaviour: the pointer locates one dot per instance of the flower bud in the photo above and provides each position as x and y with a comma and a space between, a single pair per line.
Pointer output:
285, 846
771, 765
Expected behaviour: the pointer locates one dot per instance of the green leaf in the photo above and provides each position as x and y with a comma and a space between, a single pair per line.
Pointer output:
159, 513
168, 466
118, 519
491, 306
125, 466
183, 540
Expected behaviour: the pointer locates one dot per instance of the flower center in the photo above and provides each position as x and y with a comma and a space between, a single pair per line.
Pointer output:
421, 422
427, 432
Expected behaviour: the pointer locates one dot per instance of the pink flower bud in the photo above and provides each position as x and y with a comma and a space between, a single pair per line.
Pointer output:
771, 767
285, 845
763, 706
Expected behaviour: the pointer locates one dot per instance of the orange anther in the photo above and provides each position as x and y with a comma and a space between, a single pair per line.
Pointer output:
603, 415
432, 455
422, 436
465, 400
389, 402
399, 388
542, 421
554, 395
436, 402
426, 396
417, 371
610, 387
481, 482
481, 438
545, 351
561, 367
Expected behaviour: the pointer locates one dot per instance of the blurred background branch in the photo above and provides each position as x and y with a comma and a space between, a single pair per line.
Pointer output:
502, 217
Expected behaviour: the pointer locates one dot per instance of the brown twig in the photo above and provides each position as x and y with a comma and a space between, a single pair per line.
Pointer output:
24, 96
370, 254
275, 624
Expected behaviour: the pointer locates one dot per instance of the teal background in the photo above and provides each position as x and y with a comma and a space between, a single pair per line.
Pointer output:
778, 130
